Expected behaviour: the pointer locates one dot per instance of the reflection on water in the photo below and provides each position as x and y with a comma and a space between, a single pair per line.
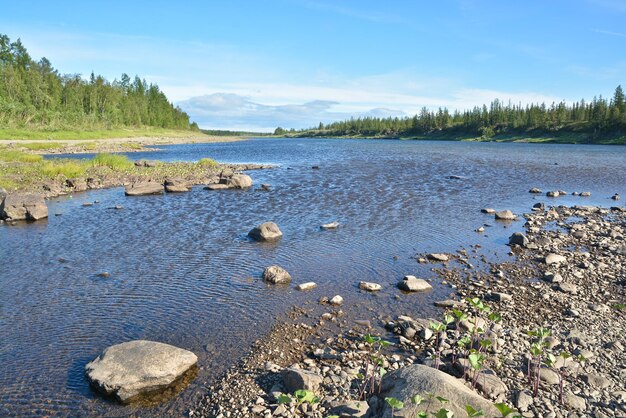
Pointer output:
184, 272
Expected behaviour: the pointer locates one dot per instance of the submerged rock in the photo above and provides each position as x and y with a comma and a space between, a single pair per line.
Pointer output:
267, 231
18, 207
144, 188
131, 369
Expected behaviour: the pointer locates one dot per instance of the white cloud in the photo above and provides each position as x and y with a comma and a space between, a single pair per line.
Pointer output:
235, 112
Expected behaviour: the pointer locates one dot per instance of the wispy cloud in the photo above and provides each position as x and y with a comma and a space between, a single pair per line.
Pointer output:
608, 32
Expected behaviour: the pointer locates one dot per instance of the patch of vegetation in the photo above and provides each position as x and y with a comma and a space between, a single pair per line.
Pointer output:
207, 163
116, 162
67, 168
14, 156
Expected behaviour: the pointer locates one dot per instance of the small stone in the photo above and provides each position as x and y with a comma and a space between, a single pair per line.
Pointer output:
331, 225
413, 284
523, 400
488, 210
554, 259
518, 239
104, 275
596, 381
369, 286
276, 275
306, 286
535, 190
575, 402
568, 288
505, 215
438, 257
336, 300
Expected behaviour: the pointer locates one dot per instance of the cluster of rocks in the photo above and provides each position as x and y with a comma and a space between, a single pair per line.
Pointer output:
32, 206
569, 278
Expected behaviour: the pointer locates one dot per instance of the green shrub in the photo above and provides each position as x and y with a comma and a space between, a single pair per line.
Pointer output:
208, 162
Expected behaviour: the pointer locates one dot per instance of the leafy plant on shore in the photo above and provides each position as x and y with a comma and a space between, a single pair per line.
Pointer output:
374, 370
535, 359
301, 396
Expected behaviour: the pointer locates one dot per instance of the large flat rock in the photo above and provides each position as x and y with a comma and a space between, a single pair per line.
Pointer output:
131, 369
144, 188
23, 207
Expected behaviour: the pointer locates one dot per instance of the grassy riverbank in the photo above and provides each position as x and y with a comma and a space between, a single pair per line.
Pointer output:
23, 171
18, 134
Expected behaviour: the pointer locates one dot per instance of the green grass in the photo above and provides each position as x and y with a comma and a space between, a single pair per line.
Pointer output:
113, 161
39, 146
14, 156
67, 168
30, 134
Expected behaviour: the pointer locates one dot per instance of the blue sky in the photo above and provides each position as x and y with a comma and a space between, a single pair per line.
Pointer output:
255, 65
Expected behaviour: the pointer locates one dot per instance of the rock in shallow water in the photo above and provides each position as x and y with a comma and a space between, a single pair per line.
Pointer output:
370, 287
23, 206
413, 284
267, 231
140, 367
144, 188
276, 275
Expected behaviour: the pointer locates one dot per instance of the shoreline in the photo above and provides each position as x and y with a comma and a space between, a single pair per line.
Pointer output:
579, 299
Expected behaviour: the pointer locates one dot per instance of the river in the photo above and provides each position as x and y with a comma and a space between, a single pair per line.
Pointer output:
184, 272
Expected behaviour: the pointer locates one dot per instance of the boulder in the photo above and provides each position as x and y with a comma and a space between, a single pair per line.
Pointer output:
518, 239
176, 186
538, 207
144, 188
369, 286
331, 225
488, 210
505, 215
418, 379
240, 181
267, 231
276, 275
297, 379
535, 190
131, 369
413, 284
553, 193
23, 207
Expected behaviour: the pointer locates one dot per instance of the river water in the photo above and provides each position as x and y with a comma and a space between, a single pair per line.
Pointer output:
184, 272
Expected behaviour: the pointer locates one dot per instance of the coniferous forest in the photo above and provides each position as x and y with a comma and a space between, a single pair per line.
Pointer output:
33, 95
599, 120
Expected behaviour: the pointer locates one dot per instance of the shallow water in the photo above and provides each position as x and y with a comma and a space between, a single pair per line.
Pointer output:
183, 271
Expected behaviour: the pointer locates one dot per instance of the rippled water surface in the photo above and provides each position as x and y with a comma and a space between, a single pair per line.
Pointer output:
183, 271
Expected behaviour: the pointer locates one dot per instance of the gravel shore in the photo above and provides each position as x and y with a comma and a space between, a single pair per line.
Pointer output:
567, 281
